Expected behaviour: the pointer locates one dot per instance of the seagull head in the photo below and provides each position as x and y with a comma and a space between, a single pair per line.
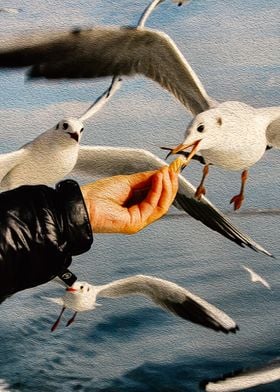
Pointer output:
71, 127
203, 133
81, 296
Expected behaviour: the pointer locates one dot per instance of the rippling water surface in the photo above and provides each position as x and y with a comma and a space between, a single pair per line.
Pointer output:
129, 344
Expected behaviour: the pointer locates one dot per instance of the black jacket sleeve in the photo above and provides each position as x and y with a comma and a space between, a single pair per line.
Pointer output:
40, 230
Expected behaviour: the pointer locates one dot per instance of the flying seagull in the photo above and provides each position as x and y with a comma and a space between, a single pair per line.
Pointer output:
245, 379
255, 278
232, 135
81, 296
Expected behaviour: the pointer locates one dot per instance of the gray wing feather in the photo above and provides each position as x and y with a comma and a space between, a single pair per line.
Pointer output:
104, 52
173, 298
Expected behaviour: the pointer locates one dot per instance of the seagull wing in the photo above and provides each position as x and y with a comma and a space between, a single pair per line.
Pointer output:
111, 51
244, 379
104, 161
173, 298
256, 278
9, 161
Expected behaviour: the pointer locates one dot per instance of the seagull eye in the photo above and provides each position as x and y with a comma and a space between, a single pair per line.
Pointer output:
200, 128
81, 130
65, 125
81, 287
88, 289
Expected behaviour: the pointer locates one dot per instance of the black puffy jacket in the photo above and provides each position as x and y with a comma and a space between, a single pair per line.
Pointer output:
41, 229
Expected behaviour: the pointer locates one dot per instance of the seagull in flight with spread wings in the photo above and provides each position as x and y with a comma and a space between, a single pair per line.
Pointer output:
81, 296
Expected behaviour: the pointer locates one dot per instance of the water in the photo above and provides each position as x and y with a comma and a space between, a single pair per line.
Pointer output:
129, 344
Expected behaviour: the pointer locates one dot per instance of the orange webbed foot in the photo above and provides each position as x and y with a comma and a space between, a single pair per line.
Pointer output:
237, 201
201, 191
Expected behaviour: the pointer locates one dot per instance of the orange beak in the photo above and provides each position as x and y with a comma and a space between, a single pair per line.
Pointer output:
70, 289
182, 147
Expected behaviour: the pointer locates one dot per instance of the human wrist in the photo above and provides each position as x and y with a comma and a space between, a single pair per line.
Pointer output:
76, 220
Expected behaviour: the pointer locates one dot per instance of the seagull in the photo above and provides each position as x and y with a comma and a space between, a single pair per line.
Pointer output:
231, 134
81, 296
53, 154
100, 161
256, 278
245, 379
44, 160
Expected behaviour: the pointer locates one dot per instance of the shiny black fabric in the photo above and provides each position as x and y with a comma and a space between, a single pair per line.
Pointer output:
40, 230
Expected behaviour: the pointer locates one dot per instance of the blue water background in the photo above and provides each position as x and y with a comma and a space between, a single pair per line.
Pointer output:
129, 344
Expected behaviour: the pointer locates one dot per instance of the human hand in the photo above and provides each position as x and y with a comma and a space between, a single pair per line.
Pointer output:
128, 203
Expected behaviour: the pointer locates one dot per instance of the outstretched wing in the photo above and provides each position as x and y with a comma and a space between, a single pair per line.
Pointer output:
9, 161
104, 52
244, 379
173, 298
103, 161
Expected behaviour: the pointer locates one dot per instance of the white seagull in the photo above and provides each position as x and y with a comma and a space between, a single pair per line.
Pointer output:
230, 134
100, 161
45, 160
81, 296
255, 278
245, 379
50, 156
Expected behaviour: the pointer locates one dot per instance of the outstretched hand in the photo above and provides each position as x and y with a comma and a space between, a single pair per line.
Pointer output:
128, 203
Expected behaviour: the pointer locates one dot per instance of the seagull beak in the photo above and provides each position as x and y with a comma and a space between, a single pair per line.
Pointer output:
182, 147
71, 289
74, 135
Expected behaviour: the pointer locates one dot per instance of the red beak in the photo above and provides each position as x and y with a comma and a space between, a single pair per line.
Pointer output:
71, 289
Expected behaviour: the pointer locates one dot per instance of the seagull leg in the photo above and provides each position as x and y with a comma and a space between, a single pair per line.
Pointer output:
201, 189
238, 199
71, 319
58, 320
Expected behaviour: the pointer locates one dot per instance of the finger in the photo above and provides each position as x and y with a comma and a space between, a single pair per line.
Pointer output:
175, 183
141, 212
141, 180
167, 191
